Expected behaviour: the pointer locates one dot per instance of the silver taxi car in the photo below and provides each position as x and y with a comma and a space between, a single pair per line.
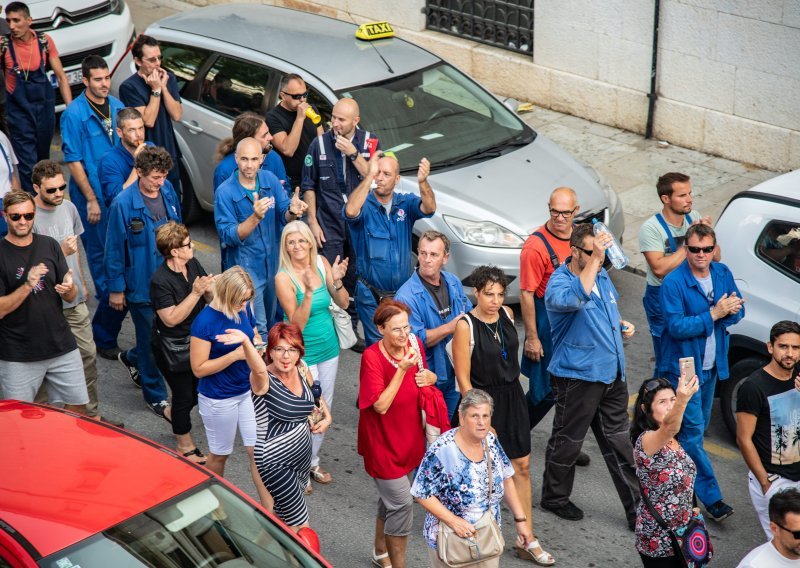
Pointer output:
491, 172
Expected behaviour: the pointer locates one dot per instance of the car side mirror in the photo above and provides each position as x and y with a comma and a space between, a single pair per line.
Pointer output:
310, 537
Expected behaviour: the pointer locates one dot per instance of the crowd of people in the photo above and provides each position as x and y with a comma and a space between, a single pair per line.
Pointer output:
310, 224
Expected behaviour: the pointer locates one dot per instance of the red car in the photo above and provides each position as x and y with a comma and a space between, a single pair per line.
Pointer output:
77, 493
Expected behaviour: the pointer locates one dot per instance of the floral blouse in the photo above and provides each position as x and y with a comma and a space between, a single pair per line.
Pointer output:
460, 483
667, 479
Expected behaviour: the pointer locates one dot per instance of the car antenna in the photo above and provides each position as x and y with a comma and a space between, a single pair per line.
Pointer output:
389, 67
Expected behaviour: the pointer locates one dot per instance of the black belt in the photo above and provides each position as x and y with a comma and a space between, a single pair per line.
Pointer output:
377, 293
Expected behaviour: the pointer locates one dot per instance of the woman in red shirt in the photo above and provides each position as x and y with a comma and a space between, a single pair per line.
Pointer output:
390, 434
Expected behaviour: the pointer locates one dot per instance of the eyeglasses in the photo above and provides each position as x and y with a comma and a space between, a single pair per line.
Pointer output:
795, 534
52, 190
17, 216
698, 250
154, 59
301, 242
298, 96
555, 214
281, 351
584, 251
400, 330
187, 245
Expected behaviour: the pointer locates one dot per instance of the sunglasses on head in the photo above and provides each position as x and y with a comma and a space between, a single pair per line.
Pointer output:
18, 216
654, 384
298, 96
52, 190
698, 250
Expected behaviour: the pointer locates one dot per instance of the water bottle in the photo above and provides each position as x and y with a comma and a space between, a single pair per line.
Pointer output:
615, 253
312, 114
316, 392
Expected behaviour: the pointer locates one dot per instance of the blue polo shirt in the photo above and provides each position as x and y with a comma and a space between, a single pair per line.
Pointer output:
272, 163
115, 167
135, 92
383, 243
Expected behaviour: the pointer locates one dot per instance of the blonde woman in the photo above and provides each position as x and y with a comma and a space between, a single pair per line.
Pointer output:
224, 386
305, 284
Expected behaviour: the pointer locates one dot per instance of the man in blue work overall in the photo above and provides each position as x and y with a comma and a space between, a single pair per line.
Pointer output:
117, 168
250, 210
132, 257
334, 166
381, 225
87, 133
30, 103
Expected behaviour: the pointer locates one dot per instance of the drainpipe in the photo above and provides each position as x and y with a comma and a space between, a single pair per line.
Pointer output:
648, 131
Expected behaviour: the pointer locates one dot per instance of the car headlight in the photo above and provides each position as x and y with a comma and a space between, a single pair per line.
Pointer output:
117, 6
483, 233
611, 195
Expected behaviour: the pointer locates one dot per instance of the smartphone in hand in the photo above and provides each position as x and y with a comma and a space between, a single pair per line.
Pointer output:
686, 366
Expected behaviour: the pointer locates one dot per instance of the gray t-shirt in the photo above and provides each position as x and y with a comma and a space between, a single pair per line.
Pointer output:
62, 222
709, 357
156, 206
653, 238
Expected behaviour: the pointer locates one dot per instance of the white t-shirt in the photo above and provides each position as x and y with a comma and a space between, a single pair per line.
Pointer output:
767, 556
7, 158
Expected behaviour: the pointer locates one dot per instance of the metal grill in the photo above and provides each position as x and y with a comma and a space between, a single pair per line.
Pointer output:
507, 24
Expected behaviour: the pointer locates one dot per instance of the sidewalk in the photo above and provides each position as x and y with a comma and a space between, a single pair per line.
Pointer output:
632, 165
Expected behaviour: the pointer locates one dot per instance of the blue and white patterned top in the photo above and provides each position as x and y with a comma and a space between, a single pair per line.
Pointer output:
460, 483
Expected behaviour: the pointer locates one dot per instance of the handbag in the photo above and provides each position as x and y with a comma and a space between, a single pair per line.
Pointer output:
175, 351
487, 543
342, 322
691, 543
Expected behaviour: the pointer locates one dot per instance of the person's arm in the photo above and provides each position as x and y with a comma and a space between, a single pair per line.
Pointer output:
67, 288
428, 205
148, 110
287, 143
10, 302
462, 358
290, 209
114, 257
533, 345
435, 507
61, 77
589, 273
680, 325
511, 497
334, 275
174, 315
745, 427
435, 335
202, 366
355, 201
654, 440
661, 264
386, 398
78, 175
297, 314
169, 90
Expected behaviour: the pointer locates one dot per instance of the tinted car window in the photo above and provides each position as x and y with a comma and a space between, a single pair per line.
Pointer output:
233, 86
183, 61
323, 106
779, 246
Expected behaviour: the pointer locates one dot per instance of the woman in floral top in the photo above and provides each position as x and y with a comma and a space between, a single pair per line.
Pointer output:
666, 472
452, 482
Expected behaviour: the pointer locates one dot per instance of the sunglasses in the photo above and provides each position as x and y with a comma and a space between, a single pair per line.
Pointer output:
18, 216
52, 190
584, 251
654, 384
298, 96
698, 250
795, 534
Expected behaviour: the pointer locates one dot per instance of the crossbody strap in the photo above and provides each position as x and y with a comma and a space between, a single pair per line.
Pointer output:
489, 469
659, 519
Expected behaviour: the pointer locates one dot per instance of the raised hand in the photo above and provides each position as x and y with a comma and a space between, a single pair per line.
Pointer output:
232, 336
297, 206
424, 170
687, 386
69, 245
66, 285
261, 206
409, 360
373, 163
35, 274
339, 268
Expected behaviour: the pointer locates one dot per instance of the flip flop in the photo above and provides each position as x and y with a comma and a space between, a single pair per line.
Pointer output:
196, 453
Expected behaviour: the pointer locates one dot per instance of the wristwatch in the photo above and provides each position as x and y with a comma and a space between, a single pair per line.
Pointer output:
353, 157
156, 94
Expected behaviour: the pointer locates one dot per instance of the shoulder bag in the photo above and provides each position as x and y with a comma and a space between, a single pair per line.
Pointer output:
175, 351
487, 543
342, 322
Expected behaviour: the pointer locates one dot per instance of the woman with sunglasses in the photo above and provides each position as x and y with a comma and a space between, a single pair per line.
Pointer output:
666, 472
224, 385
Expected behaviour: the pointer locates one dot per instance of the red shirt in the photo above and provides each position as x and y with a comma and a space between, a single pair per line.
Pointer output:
28, 58
535, 266
392, 444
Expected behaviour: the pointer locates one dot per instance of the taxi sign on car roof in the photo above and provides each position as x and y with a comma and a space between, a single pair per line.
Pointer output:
374, 30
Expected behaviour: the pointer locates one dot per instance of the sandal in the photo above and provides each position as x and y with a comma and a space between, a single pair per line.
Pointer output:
197, 454
542, 559
309, 488
320, 475
376, 559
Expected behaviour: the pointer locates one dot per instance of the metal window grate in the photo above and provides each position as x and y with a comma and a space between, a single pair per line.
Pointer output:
502, 23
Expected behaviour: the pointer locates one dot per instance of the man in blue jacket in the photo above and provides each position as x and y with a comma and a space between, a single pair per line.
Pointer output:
437, 301
132, 257
250, 210
700, 301
588, 376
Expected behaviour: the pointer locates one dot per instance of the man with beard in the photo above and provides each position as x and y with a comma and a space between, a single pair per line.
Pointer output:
767, 403
783, 550
36, 345
58, 218
117, 170
250, 209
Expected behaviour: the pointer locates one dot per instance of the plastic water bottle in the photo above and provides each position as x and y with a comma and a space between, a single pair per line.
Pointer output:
615, 253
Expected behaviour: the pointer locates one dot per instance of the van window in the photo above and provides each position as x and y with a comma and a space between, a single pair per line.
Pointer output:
233, 86
183, 61
779, 246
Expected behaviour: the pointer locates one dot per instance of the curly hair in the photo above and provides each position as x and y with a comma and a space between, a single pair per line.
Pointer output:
45, 169
153, 158
482, 276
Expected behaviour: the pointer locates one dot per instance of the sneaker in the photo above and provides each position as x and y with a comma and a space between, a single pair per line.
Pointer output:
583, 460
719, 511
360, 346
160, 409
133, 372
110, 354
568, 511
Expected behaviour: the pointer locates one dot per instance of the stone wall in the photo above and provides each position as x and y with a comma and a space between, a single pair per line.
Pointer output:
728, 72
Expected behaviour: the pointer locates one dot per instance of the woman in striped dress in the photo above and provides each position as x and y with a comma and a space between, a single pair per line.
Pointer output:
283, 402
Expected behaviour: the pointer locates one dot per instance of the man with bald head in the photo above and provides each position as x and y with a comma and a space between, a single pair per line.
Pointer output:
250, 209
334, 166
381, 222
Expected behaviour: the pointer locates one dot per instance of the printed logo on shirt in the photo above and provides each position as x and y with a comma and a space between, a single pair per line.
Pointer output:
401, 215
784, 413
39, 285
611, 297
309, 160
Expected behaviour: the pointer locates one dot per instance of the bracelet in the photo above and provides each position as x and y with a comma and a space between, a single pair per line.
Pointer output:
521, 520
339, 287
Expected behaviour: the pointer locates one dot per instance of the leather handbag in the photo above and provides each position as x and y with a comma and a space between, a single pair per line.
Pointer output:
343, 325
175, 351
488, 543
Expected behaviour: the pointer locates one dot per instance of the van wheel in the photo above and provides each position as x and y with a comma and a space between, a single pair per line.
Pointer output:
190, 207
729, 389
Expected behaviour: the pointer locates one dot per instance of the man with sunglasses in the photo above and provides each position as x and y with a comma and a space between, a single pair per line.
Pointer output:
700, 300
58, 218
153, 91
783, 551
292, 131
588, 376
36, 345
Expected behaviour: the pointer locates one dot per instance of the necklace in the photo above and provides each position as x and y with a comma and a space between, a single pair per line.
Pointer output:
498, 337
106, 119
392, 360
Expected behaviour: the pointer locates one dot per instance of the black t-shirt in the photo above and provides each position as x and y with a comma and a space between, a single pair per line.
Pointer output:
440, 295
37, 329
169, 288
281, 120
776, 405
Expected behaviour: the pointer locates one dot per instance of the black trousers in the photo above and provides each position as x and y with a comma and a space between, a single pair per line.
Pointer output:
184, 392
604, 408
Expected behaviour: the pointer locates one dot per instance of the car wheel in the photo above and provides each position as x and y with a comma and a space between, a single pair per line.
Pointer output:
729, 389
190, 207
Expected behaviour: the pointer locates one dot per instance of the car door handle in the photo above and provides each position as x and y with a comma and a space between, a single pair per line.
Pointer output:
192, 125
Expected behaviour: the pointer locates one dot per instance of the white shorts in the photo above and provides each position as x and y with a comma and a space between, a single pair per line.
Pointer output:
221, 418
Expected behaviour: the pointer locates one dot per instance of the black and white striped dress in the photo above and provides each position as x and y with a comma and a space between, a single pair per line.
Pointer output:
283, 449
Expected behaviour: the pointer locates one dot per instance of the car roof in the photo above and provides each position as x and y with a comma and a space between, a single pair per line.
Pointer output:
787, 185
65, 477
322, 46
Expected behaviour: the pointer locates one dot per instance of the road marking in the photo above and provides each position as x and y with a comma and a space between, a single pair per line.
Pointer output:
203, 247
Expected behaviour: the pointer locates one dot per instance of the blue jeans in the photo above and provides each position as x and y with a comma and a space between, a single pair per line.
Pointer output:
655, 321
366, 306
696, 418
141, 356
106, 322
264, 307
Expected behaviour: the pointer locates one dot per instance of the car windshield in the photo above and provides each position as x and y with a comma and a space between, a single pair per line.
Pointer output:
206, 527
440, 114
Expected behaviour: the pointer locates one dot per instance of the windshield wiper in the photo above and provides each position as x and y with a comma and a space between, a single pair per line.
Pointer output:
488, 152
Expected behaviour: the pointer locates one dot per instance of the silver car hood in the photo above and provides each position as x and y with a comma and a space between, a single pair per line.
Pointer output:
512, 190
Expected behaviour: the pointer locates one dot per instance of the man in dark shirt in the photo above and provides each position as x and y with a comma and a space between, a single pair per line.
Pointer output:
767, 426
35, 340
292, 131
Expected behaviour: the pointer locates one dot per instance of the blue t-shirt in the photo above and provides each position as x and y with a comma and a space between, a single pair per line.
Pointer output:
233, 380
135, 92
